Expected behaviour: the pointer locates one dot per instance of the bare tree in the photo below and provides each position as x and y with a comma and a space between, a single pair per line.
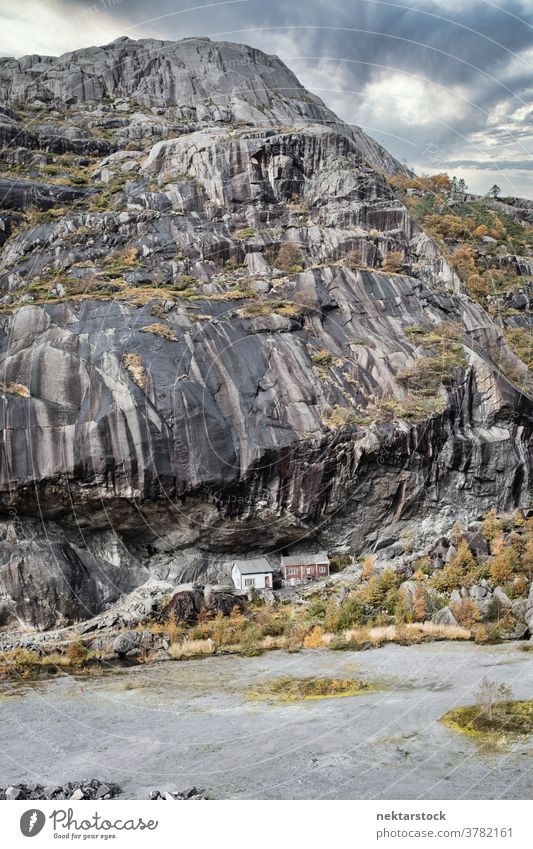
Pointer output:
489, 693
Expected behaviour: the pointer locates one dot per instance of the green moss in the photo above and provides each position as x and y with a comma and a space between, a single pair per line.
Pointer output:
247, 233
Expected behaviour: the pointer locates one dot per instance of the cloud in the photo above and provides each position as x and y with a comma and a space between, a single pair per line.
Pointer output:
502, 164
434, 75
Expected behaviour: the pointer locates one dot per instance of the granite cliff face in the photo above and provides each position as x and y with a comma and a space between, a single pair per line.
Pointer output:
222, 332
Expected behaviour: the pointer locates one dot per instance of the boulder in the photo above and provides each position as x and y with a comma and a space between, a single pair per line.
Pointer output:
183, 606
129, 642
444, 616
502, 598
221, 598
477, 543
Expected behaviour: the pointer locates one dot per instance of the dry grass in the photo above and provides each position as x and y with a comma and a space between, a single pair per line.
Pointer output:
288, 689
16, 389
160, 330
133, 363
191, 648
414, 631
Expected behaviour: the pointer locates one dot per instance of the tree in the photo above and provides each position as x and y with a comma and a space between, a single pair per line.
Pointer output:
459, 185
495, 191
489, 693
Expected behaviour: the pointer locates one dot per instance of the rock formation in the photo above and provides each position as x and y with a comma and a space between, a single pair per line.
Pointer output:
221, 331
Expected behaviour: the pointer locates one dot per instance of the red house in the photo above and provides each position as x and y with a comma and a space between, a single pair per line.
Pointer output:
305, 567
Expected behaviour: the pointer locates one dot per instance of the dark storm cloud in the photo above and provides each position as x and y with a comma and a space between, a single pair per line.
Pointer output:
430, 75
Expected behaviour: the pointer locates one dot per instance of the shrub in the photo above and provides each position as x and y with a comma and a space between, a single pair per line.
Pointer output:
456, 572
427, 375
77, 653
378, 587
341, 416
354, 259
314, 639
491, 525
289, 257
466, 612
368, 567
463, 262
393, 262
420, 604
503, 565
445, 226
350, 613
316, 609
322, 358
338, 562
407, 539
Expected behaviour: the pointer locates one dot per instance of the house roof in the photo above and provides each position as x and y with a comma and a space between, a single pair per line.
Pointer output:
306, 559
254, 566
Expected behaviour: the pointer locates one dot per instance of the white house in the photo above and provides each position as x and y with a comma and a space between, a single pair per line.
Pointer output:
252, 574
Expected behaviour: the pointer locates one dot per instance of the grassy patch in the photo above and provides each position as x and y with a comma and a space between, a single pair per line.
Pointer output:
506, 718
25, 663
288, 689
16, 389
160, 330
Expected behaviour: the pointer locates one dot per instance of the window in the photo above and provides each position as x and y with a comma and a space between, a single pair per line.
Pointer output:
309, 570
293, 570
249, 582
322, 569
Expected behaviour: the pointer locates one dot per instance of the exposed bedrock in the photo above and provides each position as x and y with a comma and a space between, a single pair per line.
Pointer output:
228, 339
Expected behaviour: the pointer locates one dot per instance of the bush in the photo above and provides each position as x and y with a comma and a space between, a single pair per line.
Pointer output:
349, 614
368, 567
420, 604
503, 565
289, 257
322, 358
341, 416
393, 262
314, 639
466, 612
338, 562
77, 653
378, 587
354, 259
491, 525
456, 573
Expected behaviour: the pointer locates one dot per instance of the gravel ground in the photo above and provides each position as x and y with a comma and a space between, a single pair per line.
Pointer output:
189, 723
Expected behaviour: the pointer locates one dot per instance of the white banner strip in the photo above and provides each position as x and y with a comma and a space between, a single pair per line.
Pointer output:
268, 824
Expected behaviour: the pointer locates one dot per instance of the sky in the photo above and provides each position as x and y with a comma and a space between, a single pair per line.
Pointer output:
446, 85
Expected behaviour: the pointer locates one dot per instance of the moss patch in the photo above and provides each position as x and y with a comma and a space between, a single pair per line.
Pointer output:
288, 689
506, 718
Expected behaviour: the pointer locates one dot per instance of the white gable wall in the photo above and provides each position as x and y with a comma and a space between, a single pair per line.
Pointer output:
260, 580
